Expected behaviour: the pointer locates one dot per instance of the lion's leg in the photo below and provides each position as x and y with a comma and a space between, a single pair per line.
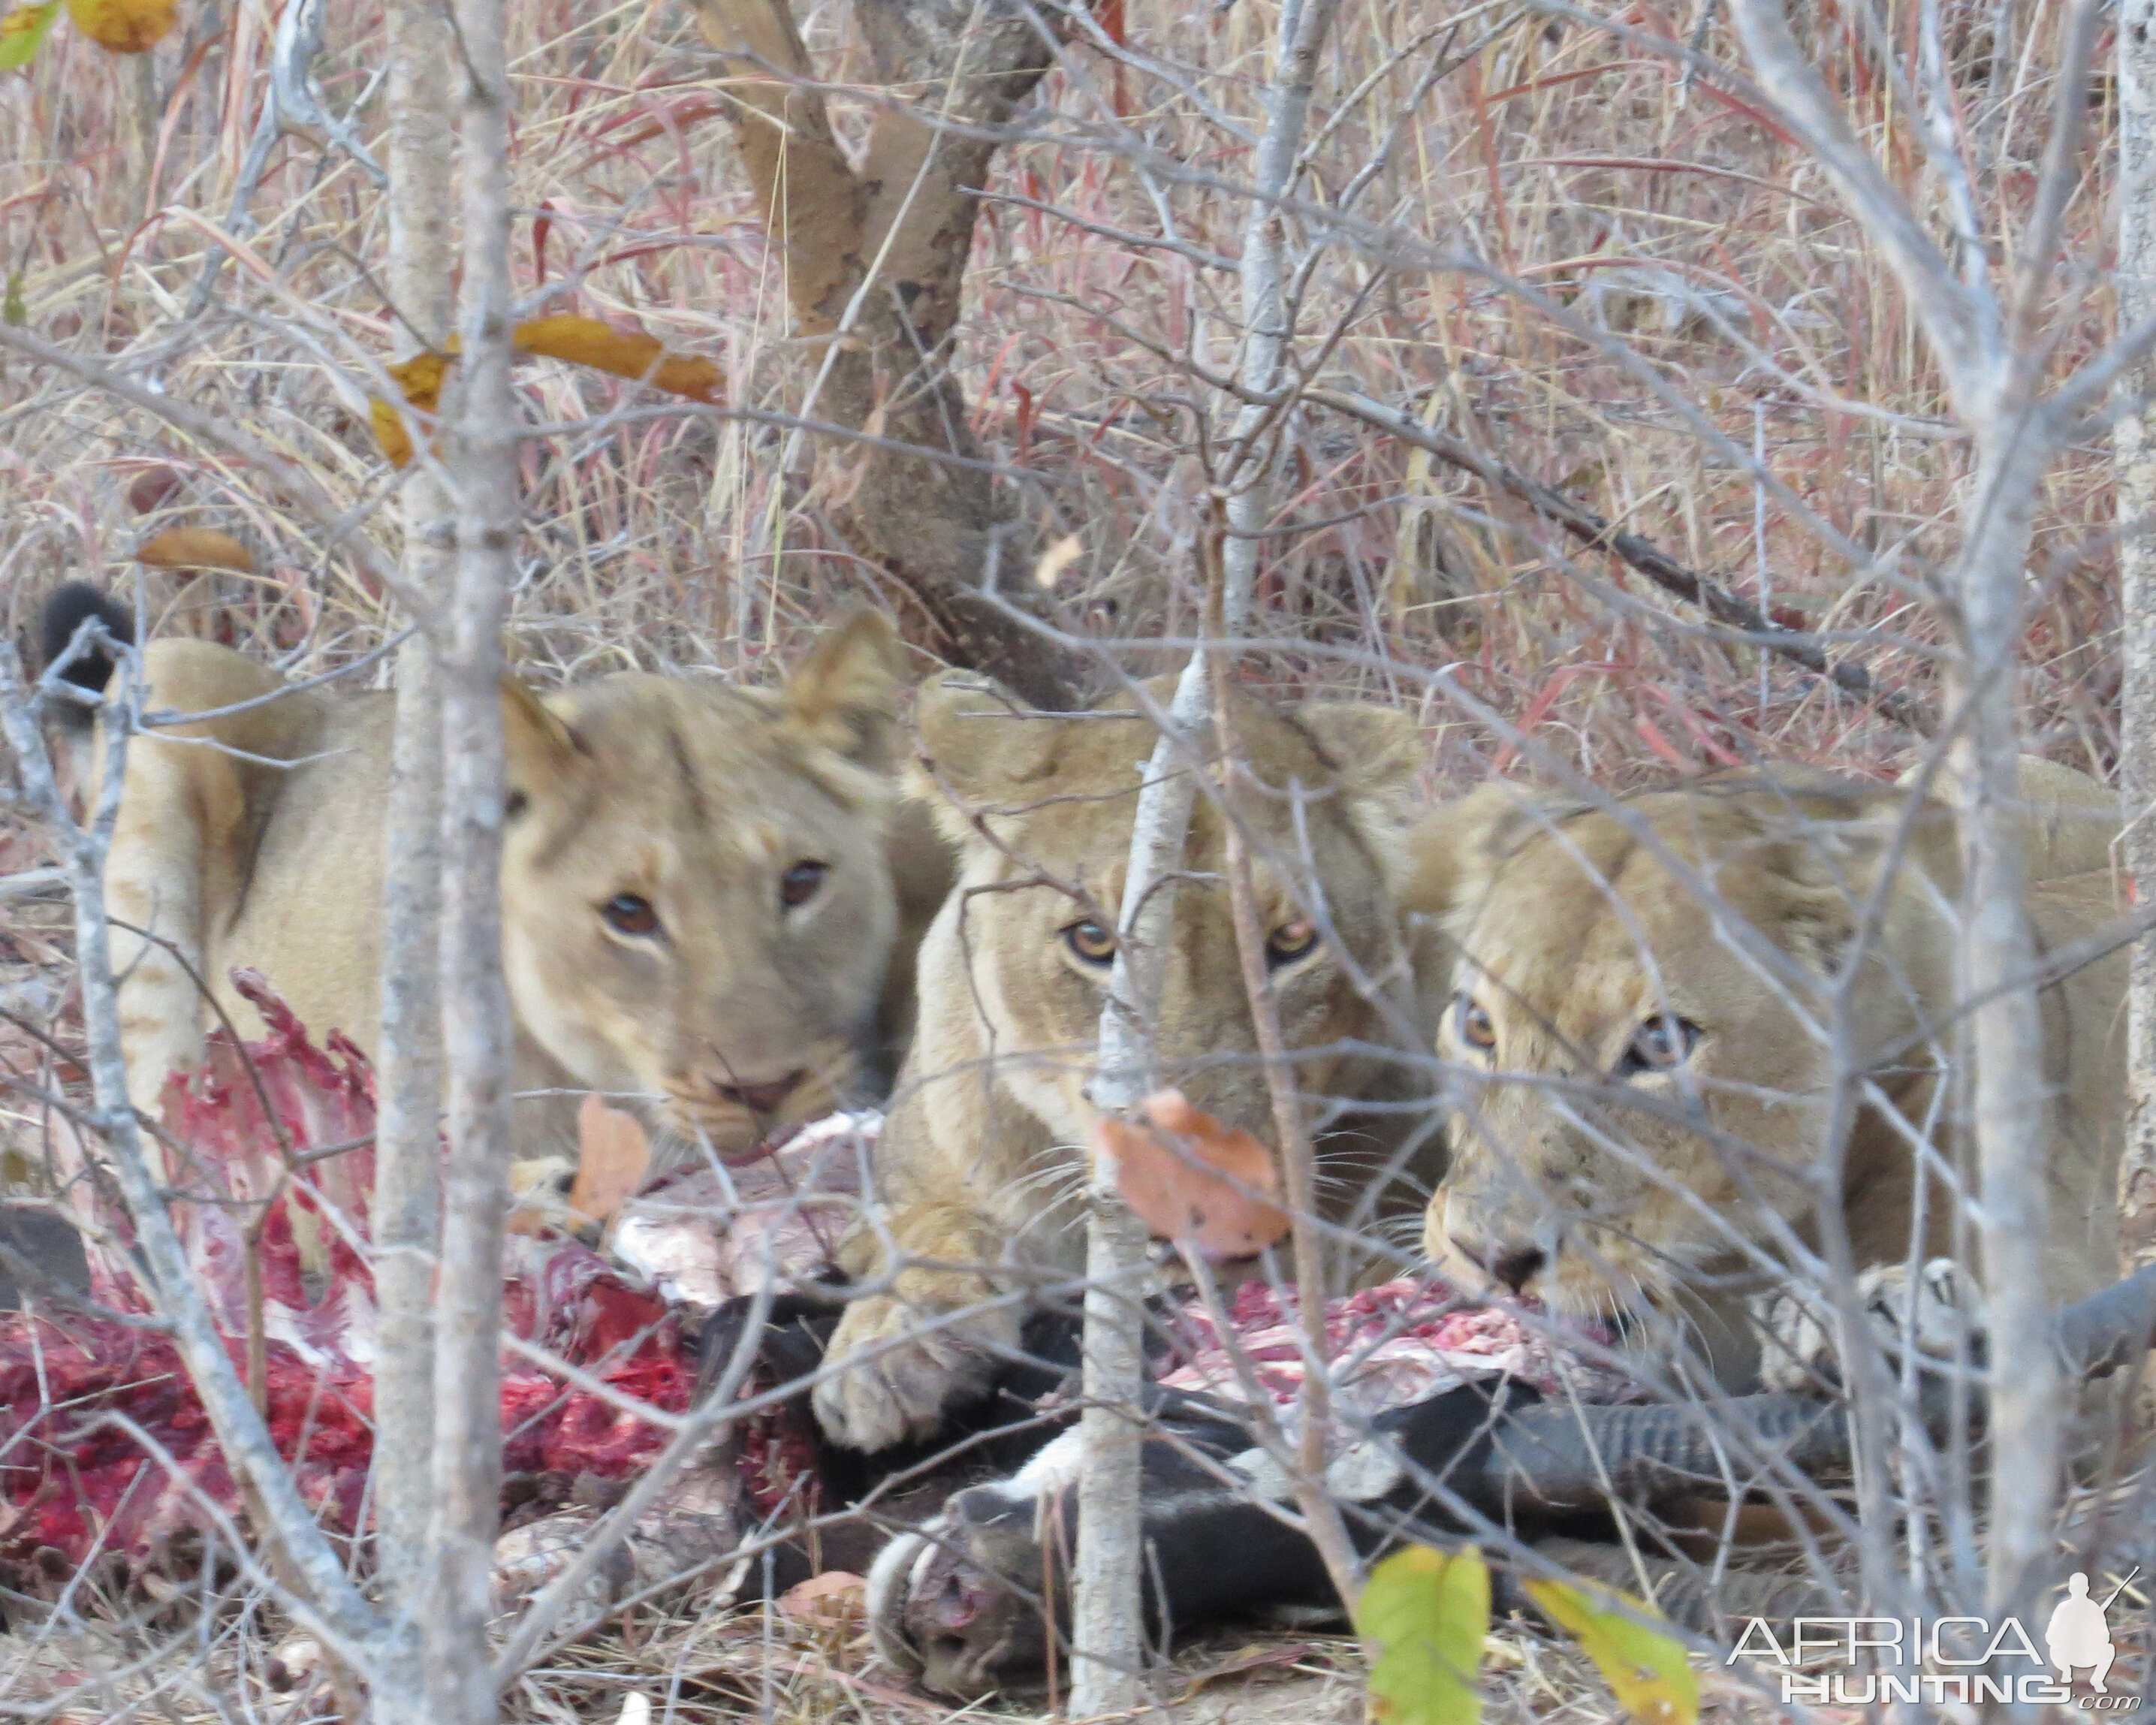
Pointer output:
900, 1358
179, 851
1802, 1343
153, 885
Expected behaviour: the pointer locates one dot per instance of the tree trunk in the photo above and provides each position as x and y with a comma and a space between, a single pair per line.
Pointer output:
1107, 1624
875, 260
2004, 1042
467, 1469
406, 1220
2136, 560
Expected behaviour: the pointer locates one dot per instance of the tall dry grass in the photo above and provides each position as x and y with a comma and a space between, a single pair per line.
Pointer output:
1657, 208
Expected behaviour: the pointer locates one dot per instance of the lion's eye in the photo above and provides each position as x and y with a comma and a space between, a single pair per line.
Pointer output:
1659, 1044
1091, 942
801, 883
1474, 1024
1292, 940
628, 914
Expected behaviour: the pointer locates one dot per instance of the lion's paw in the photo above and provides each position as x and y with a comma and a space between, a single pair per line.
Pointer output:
1800, 1345
892, 1369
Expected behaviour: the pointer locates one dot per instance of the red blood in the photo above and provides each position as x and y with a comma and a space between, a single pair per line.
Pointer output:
74, 1481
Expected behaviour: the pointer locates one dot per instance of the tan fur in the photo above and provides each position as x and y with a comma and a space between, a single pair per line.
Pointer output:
985, 1153
1571, 931
696, 796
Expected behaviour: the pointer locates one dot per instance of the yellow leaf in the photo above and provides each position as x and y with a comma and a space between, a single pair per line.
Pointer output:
582, 340
21, 32
586, 341
420, 377
196, 548
420, 380
1428, 1613
1646, 1669
389, 431
124, 26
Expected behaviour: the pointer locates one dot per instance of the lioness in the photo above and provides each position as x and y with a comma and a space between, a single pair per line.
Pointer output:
1662, 1073
697, 906
984, 1156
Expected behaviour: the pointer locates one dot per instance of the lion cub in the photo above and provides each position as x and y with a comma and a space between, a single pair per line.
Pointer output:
697, 904
984, 1158
1642, 1004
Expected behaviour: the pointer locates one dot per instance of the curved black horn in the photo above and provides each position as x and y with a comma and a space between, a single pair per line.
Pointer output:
1558, 1457
1562, 1457
2100, 1334
1697, 1596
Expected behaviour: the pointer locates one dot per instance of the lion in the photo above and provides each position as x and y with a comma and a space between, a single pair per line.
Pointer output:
1642, 1004
982, 1167
698, 905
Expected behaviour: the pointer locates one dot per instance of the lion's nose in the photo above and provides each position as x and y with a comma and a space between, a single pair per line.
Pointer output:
1514, 1265
765, 1098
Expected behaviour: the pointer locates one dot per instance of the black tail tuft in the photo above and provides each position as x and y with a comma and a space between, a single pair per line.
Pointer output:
74, 605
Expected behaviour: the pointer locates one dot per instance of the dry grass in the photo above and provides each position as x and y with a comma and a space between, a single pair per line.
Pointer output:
1585, 168
1655, 207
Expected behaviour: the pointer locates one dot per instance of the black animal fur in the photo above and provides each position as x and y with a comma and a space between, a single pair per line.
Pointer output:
74, 605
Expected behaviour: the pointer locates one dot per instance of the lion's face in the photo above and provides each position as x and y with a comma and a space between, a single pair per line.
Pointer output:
696, 902
1647, 1081
1042, 810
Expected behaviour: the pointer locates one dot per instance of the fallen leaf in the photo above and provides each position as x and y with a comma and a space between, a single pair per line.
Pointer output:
588, 341
835, 1596
1193, 1180
124, 26
1646, 1671
153, 488
612, 1157
1429, 1612
196, 548
22, 31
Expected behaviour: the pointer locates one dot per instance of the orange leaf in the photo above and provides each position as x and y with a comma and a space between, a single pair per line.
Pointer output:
196, 548
612, 1155
1194, 1181
124, 26
588, 342
835, 1596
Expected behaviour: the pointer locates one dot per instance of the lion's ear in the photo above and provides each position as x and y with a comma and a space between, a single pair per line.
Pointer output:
1377, 750
1454, 848
541, 746
979, 743
845, 694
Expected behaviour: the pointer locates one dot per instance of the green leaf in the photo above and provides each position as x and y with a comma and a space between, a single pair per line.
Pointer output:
22, 31
12, 310
1428, 1613
1646, 1671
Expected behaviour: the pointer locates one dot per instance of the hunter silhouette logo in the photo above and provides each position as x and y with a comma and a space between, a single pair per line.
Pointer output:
2077, 1634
